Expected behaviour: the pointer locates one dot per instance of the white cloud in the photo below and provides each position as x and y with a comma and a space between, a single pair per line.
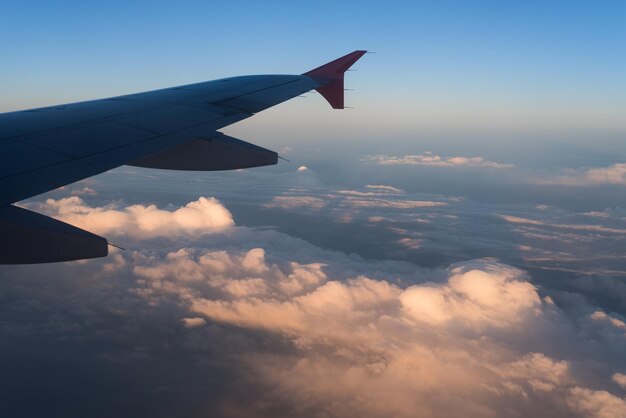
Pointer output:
429, 159
202, 216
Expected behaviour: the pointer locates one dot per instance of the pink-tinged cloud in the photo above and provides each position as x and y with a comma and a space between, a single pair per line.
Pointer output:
614, 174
296, 202
202, 216
479, 343
574, 227
363, 338
620, 379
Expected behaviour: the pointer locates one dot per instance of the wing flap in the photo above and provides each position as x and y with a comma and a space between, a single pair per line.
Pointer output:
220, 152
28, 237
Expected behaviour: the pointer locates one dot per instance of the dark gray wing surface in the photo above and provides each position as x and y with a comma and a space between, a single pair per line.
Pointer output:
175, 128
43, 149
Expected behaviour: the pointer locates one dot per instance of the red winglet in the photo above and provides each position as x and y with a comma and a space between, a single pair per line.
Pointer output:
331, 75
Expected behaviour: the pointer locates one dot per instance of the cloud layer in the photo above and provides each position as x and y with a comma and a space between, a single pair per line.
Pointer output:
614, 174
429, 159
311, 332
480, 342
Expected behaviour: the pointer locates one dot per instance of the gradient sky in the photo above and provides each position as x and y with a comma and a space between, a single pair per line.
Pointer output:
440, 65
453, 246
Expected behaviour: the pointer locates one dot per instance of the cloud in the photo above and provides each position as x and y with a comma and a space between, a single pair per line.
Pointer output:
576, 227
410, 243
193, 322
596, 403
614, 174
295, 202
365, 347
393, 204
601, 316
299, 330
620, 379
385, 188
202, 216
429, 159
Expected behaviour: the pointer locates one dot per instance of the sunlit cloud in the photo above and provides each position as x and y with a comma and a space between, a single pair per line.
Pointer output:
193, 322
480, 329
484, 333
202, 216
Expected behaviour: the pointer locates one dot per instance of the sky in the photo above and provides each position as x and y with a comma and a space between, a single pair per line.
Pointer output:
439, 64
452, 245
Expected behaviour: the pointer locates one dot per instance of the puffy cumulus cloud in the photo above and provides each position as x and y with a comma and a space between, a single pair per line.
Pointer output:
429, 159
613, 174
486, 295
596, 403
195, 218
291, 329
602, 316
477, 340
620, 379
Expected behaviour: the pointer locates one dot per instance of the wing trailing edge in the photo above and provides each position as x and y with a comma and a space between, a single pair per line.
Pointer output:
28, 237
219, 152
331, 76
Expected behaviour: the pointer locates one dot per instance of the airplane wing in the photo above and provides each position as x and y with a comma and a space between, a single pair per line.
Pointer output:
174, 128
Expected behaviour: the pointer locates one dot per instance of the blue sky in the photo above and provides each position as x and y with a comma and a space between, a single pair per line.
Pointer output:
508, 65
453, 246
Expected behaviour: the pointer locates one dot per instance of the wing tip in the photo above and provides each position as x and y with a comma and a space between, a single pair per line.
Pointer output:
331, 76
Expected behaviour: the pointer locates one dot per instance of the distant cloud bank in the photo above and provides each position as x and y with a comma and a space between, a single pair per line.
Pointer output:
613, 174
429, 159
